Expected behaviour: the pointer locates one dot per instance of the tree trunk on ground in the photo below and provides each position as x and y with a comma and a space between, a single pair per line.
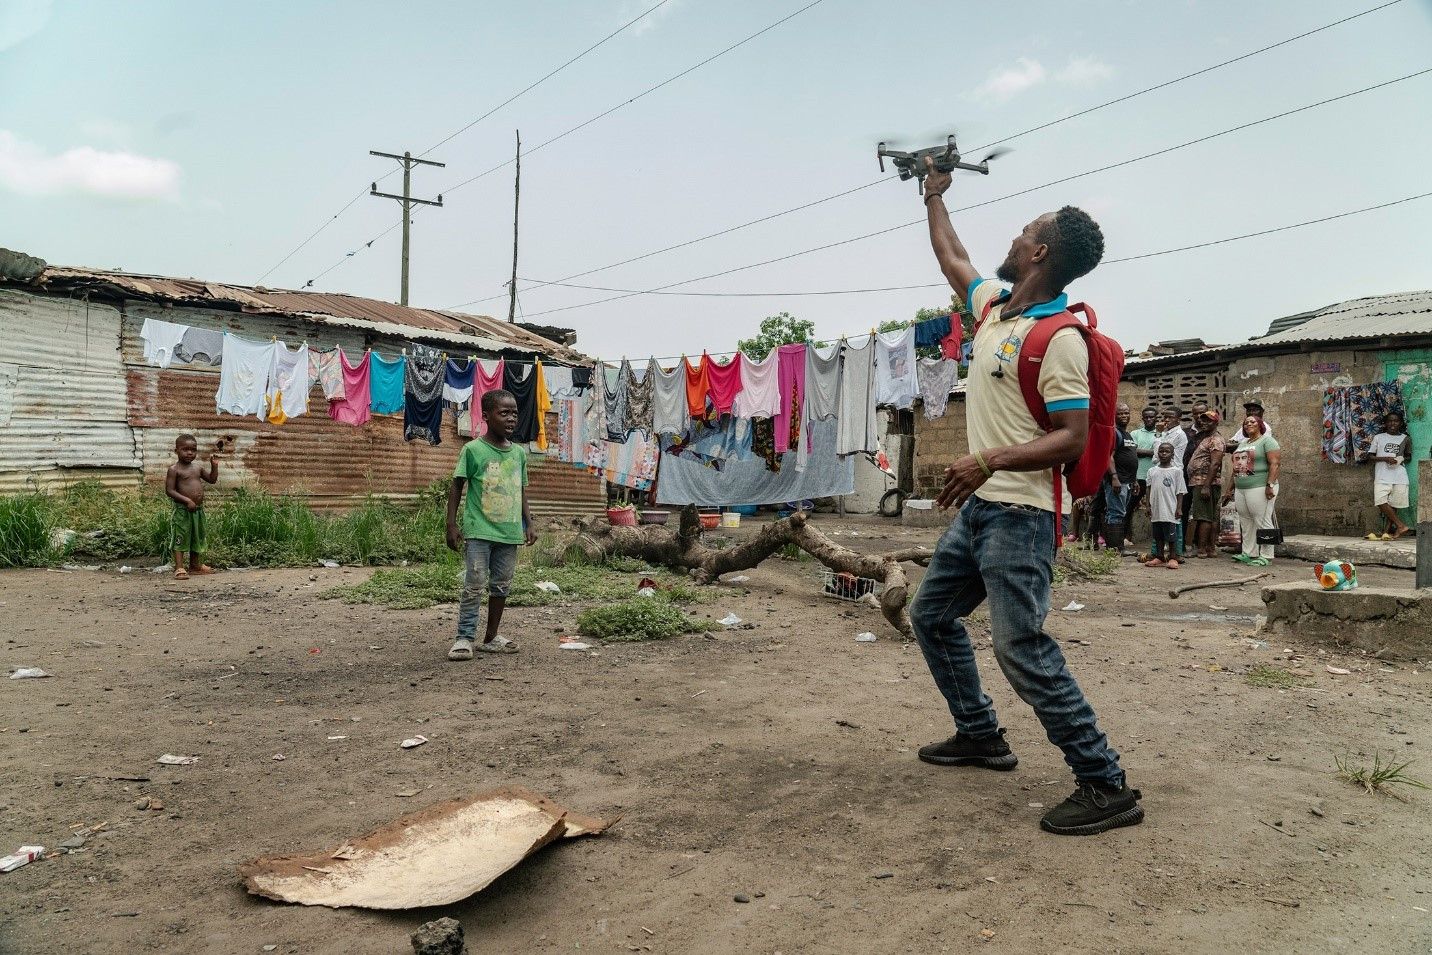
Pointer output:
680, 548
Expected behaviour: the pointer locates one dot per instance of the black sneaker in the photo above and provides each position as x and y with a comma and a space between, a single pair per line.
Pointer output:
989, 752
1094, 808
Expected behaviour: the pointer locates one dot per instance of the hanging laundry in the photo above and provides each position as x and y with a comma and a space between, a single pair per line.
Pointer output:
791, 381
385, 384
595, 413
763, 443
201, 346
243, 376
640, 414
1367, 404
747, 480
324, 367
937, 380
457, 381
631, 463
669, 410
287, 393
571, 441
424, 377
822, 382
524, 389
952, 345
895, 375
581, 378
858, 430
931, 331
723, 382
484, 379
614, 392
544, 402
698, 387
760, 394
1337, 425
353, 408
559, 381
160, 340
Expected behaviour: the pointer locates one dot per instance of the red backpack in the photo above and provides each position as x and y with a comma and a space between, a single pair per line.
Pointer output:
1106, 367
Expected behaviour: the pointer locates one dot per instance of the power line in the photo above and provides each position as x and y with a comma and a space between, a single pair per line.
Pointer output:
945, 285
1021, 192
583, 125
1012, 136
510, 99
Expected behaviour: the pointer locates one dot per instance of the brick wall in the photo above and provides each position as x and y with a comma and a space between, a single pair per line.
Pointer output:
937, 444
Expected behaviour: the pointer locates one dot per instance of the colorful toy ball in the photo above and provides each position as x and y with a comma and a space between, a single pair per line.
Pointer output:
1336, 575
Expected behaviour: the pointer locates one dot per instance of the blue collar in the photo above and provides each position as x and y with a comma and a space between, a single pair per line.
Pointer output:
1054, 306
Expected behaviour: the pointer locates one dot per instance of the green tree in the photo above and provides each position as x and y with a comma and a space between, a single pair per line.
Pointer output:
956, 307
777, 330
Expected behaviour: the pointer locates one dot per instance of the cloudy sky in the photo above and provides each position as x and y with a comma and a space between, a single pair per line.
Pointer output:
209, 140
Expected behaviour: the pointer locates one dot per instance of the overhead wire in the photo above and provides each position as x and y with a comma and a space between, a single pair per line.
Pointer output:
987, 202
602, 115
1042, 126
509, 100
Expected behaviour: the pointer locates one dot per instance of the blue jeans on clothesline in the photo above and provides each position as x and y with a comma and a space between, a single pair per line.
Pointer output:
1005, 553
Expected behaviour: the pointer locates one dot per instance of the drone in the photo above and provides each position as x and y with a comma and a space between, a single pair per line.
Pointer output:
946, 158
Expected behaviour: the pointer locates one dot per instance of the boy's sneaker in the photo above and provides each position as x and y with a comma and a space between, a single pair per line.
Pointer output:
461, 649
988, 752
1094, 808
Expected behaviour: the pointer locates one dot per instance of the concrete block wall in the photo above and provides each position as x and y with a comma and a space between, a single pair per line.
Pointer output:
937, 444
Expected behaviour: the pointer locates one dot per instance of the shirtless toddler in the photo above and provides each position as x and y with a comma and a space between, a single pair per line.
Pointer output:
184, 483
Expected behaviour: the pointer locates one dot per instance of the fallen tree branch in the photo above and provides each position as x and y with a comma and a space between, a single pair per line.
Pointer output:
1216, 583
681, 548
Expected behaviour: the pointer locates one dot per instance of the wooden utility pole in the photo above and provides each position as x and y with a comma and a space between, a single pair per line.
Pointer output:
407, 201
516, 205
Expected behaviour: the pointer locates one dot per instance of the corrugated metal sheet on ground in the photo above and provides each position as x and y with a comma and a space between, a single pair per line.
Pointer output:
62, 393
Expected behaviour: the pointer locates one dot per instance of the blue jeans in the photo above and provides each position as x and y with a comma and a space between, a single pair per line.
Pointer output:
1005, 553
1116, 505
490, 566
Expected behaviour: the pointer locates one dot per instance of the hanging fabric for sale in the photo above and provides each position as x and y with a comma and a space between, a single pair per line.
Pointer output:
424, 378
385, 384
354, 407
938, 377
858, 431
483, 381
895, 375
244, 376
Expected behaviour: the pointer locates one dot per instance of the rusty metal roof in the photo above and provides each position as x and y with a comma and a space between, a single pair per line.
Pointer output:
1402, 315
476, 331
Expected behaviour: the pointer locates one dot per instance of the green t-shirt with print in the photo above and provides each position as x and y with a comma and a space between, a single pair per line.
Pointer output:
492, 509
1250, 462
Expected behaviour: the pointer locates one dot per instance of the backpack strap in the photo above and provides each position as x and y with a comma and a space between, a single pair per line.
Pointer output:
1031, 358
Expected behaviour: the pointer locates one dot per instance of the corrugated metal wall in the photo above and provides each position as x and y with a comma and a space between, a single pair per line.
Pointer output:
62, 398
77, 393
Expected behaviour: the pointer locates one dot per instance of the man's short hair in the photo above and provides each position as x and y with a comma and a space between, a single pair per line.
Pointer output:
1166, 444
1076, 244
491, 398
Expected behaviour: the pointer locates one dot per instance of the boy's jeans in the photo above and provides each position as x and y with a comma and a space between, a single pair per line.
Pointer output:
490, 566
1006, 553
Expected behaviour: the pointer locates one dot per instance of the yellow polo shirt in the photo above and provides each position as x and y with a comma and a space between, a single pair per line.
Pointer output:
995, 413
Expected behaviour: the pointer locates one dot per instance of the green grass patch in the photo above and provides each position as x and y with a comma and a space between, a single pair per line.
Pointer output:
1274, 677
640, 618
25, 525
1380, 776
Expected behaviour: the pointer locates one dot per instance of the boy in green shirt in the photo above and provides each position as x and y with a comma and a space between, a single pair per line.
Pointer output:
495, 520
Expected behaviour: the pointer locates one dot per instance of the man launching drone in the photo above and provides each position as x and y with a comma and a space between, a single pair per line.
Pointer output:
1001, 544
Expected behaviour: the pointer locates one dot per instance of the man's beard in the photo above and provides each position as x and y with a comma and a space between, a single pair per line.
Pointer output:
1006, 273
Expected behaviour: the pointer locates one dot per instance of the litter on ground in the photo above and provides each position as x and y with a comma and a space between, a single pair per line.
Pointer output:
29, 673
866, 637
413, 742
1073, 606
169, 759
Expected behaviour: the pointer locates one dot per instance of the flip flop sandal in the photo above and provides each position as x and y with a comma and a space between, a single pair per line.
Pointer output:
181, 574
1172, 565
1387, 537
461, 649
1372, 537
497, 645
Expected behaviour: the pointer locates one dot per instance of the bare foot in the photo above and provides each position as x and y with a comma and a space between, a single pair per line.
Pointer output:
1173, 565
201, 570
1401, 532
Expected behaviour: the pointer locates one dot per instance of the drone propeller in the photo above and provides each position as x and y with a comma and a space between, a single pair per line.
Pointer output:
997, 152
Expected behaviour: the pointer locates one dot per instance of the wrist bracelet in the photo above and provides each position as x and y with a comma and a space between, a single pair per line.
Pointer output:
933, 195
984, 465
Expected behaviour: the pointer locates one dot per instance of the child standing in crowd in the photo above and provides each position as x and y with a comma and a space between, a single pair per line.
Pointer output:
1205, 480
1390, 449
184, 483
1166, 488
495, 520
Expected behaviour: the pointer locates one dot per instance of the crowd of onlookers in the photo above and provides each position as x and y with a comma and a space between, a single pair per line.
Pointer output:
1184, 478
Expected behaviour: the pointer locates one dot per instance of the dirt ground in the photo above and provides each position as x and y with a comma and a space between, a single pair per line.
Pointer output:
776, 762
